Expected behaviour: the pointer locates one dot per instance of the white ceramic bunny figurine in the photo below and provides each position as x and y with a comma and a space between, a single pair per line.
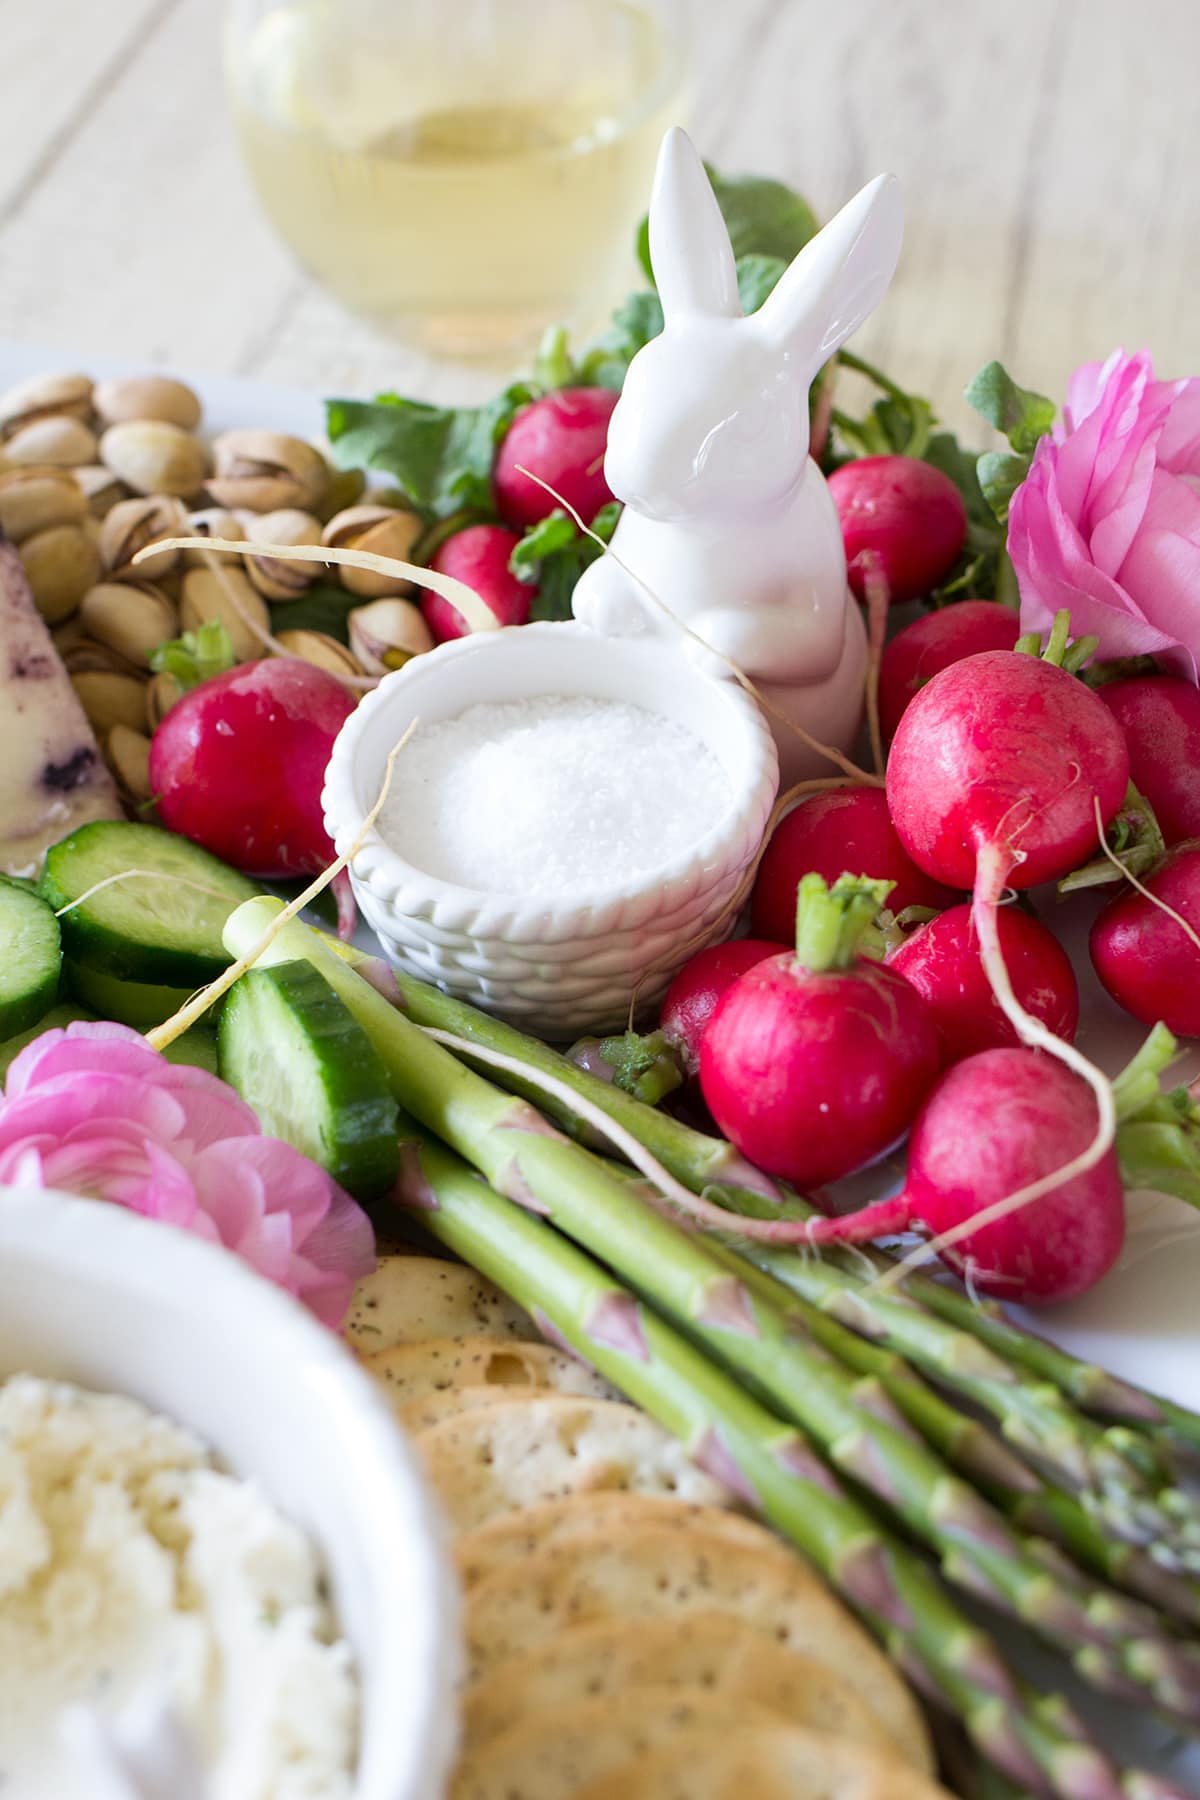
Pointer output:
727, 519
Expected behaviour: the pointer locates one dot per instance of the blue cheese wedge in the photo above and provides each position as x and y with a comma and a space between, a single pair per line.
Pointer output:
52, 776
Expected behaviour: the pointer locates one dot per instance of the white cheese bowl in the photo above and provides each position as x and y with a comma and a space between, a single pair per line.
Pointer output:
557, 967
93, 1294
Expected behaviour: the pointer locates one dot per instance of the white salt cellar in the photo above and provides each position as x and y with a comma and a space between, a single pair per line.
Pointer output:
727, 519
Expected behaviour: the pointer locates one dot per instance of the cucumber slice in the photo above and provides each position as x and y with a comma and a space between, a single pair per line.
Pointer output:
290, 1046
162, 927
55, 1019
136, 1003
197, 1047
30, 958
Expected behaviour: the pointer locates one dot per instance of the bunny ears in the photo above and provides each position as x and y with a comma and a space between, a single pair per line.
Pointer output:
835, 282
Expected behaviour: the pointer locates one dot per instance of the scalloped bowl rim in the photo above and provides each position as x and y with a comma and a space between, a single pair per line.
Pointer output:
410, 889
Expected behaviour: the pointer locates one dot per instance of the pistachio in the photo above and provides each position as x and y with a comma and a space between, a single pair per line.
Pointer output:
321, 651
58, 442
161, 692
147, 397
128, 753
226, 594
44, 397
153, 457
61, 563
133, 525
383, 531
387, 634
102, 488
276, 579
212, 522
265, 470
32, 499
84, 656
132, 619
346, 488
110, 700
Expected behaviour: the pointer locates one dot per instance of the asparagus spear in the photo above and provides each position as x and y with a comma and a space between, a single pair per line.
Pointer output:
1033, 1415
1034, 1740
1115, 1643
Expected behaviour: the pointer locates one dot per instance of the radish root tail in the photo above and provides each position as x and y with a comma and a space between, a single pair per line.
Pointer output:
992, 867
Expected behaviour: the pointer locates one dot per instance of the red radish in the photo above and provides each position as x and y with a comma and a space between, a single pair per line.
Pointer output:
238, 765
692, 997
479, 557
816, 1061
1145, 958
1005, 754
992, 1139
901, 517
933, 642
846, 831
562, 438
943, 962
1160, 716
1004, 771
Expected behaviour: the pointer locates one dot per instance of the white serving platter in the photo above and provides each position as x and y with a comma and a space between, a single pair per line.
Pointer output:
1143, 1322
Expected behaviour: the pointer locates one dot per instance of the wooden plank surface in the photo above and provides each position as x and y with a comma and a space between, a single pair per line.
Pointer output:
1048, 151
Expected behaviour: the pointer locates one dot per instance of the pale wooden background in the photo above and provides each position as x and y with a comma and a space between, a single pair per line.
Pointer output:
1050, 151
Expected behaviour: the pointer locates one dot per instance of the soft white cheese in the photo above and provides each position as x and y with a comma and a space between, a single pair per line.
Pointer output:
131, 1566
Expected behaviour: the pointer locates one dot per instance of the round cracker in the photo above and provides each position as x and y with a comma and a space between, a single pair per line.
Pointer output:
549, 1757
411, 1371
506, 1542
451, 1403
723, 1656
408, 1298
519, 1452
649, 1571
760, 1762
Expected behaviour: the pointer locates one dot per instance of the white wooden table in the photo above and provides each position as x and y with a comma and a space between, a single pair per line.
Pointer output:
1049, 151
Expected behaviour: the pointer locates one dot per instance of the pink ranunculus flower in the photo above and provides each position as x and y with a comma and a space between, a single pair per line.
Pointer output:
1107, 522
93, 1110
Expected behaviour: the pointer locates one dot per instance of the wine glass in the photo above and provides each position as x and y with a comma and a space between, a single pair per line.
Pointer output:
463, 172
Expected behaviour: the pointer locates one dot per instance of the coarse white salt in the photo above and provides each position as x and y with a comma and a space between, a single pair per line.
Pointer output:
551, 796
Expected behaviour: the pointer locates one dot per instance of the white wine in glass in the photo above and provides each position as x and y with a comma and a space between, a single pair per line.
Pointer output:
463, 172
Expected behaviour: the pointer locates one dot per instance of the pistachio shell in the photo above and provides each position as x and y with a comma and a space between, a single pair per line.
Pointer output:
61, 563
275, 578
110, 700
133, 525
387, 634
56, 442
267, 470
153, 457
213, 522
382, 530
84, 656
133, 620
161, 691
226, 595
128, 753
33, 499
147, 397
102, 488
43, 396
323, 652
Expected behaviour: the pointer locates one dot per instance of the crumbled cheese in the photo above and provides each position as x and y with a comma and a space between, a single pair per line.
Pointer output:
551, 796
129, 1564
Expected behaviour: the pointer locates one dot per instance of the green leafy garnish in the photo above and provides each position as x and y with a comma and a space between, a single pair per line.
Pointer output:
554, 553
322, 608
439, 456
1023, 417
638, 319
196, 656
